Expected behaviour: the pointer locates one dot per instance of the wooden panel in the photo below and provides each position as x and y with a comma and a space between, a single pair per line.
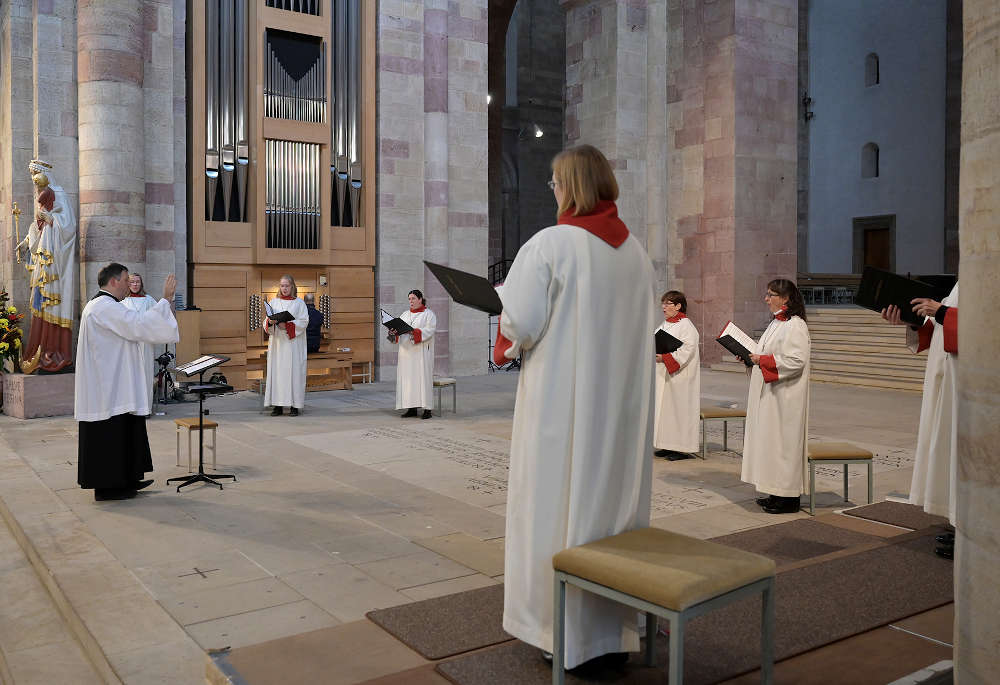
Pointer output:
237, 377
363, 349
208, 277
352, 304
349, 238
224, 325
235, 359
223, 345
226, 299
357, 282
228, 234
351, 330
189, 346
296, 22
299, 131
352, 317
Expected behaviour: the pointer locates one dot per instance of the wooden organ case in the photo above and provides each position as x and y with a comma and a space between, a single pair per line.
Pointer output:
283, 116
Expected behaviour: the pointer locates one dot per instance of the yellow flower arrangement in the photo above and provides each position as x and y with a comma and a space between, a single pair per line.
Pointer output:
10, 333
4, 323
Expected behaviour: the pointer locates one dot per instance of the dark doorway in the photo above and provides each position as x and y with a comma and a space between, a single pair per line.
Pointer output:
875, 242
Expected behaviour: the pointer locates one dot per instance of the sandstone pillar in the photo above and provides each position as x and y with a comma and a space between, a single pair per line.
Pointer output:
110, 57
977, 564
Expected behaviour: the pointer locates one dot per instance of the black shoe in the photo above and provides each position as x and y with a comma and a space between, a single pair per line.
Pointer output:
105, 494
293, 411
547, 657
947, 539
409, 412
945, 552
677, 456
277, 411
661, 453
139, 485
764, 501
427, 414
782, 505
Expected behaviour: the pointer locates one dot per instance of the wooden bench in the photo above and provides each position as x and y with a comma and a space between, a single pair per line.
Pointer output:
335, 367
439, 384
724, 414
836, 453
664, 574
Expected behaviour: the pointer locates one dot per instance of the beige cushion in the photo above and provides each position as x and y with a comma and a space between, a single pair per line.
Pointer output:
666, 569
722, 413
438, 382
191, 423
836, 450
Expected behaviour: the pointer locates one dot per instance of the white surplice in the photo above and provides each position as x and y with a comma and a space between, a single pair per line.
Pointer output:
144, 304
286, 357
415, 365
110, 376
579, 312
777, 424
678, 394
936, 458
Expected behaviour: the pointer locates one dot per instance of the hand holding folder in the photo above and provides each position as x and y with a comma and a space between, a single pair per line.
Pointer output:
879, 289
737, 342
395, 324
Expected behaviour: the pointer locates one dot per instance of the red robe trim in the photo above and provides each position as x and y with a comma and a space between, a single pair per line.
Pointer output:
282, 297
418, 336
290, 329
134, 295
782, 314
768, 368
603, 222
924, 335
951, 330
677, 317
671, 363
500, 348
417, 311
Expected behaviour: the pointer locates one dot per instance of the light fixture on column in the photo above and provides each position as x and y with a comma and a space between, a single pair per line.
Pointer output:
489, 98
533, 131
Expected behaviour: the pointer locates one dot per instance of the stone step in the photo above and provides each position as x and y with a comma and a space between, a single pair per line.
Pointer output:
867, 369
863, 347
868, 380
875, 360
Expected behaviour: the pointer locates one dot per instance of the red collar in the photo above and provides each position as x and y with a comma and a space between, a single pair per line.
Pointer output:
290, 297
782, 314
417, 311
603, 222
135, 295
677, 317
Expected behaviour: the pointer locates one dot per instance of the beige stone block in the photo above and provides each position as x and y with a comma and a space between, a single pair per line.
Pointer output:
414, 569
468, 551
28, 397
218, 602
261, 625
344, 591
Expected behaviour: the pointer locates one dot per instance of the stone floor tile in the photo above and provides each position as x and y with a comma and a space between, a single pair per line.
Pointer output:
344, 591
202, 570
409, 524
58, 662
261, 625
162, 664
451, 586
414, 569
468, 551
228, 600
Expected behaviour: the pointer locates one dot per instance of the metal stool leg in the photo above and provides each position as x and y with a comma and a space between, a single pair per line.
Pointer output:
845, 483
177, 433
214, 439
704, 440
725, 436
559, 632
189, 450
812, 488
650, 639
871, 484
675, 668
454, 398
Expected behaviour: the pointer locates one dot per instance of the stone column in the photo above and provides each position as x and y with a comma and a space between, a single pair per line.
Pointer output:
977, 564
110, 57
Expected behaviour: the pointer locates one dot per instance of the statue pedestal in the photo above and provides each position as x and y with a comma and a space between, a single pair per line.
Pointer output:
29, 397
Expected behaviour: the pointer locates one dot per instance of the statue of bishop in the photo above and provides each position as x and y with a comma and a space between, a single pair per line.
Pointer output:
51, 243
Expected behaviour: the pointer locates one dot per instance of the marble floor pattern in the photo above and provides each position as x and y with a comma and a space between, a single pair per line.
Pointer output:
344, 509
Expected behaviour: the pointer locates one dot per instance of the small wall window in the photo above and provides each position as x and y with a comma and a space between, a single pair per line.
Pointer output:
869, 161
871, 69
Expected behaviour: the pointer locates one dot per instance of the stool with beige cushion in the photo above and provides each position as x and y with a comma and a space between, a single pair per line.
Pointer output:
723, 414
441, 383
191, 424
836, 453
664, 574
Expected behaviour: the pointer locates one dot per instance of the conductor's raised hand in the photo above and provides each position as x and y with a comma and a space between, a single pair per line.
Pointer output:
891, 314
169, 287
925, 306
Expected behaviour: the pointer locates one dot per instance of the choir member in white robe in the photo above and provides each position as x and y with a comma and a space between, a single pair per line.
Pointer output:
575, 307
112, 387
934, 480
137, 300
678, 384
286, 350
777, 424
415, 363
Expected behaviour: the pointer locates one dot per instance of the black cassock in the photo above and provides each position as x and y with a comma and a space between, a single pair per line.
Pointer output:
113, 453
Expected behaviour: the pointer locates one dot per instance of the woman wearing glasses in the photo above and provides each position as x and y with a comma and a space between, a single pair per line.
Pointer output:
774, 445
678, 384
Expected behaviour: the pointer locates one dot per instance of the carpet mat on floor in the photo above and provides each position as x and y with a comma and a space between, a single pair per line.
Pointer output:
898, 514
796, 540
816, 604
444, 626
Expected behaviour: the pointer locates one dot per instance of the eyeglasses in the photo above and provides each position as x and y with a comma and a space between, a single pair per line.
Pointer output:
552, 185
770, 294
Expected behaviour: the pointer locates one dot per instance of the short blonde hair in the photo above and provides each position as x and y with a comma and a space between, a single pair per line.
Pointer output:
295, 288
586, 178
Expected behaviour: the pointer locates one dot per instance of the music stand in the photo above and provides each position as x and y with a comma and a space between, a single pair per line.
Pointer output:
200, 366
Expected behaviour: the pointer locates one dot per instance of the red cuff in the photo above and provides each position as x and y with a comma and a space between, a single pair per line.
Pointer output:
924, 335
290, 329
768, 368
500, 348
951, 330
671, 363
417, 336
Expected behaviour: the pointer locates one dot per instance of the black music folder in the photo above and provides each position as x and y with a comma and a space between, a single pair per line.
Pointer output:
468, 289
395, 323
736, 341
277, 317
666, 343
879, 289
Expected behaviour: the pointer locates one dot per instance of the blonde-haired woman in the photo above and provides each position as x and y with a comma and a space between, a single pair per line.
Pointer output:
286, 349
580, 454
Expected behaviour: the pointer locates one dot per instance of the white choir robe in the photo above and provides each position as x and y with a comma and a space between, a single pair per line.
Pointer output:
110, 376
578, 311
143, 304
935, 460
777, 425
678, 391
286, 357
415, 365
